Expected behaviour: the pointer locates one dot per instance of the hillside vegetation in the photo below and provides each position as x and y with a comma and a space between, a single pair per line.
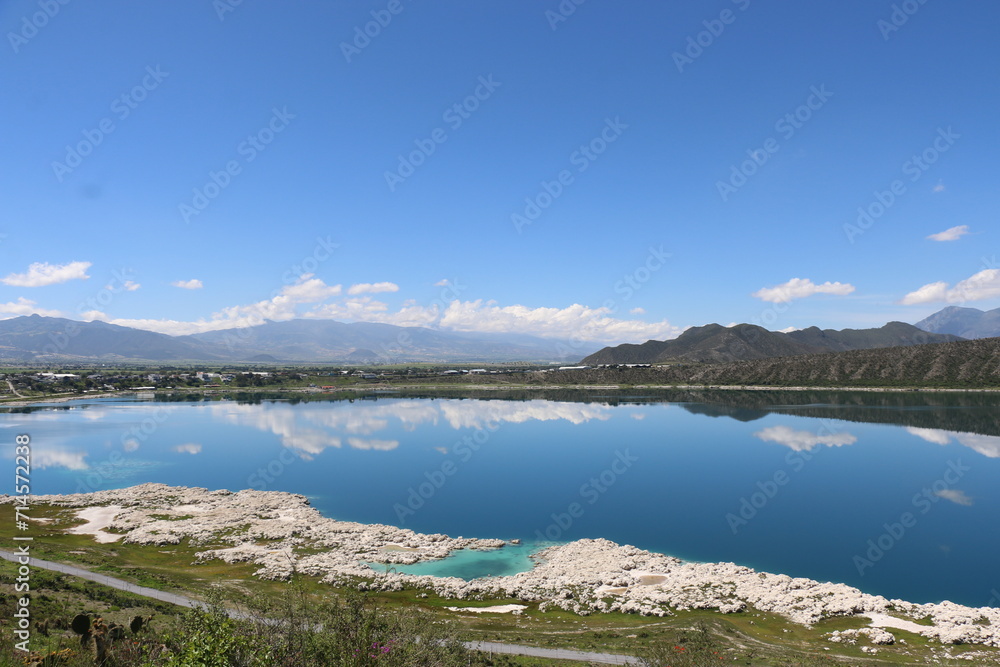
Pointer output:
960, 364
714, 343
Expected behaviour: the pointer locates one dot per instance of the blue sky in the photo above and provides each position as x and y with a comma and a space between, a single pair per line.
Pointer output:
617, 171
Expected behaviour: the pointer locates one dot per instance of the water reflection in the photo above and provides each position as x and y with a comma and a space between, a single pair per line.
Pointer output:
800, 441
987, 445
311, 428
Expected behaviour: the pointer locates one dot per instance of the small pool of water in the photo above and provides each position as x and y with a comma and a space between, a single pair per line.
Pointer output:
470, 564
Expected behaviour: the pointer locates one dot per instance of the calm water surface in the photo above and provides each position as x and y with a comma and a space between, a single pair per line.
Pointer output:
895, 494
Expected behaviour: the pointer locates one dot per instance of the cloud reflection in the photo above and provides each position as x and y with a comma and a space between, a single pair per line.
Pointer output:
51, 457
987, 445
803, 440
955, 496
311, 428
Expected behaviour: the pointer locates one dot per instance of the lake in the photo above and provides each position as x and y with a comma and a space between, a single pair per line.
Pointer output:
895, 493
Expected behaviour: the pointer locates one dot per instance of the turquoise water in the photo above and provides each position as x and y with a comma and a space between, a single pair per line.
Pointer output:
895, 494
472, 564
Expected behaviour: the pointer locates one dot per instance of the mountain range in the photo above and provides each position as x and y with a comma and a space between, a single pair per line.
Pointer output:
714, 343
41, 339
35, 338
963, 364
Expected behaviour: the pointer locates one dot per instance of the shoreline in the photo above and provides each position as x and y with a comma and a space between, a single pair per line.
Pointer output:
268, 529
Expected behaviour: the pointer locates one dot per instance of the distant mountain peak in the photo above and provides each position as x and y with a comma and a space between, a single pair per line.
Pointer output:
963, 321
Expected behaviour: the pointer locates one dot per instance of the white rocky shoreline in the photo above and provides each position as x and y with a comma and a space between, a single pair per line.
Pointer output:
280, 533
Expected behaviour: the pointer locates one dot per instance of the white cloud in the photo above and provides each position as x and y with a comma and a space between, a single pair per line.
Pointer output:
282, 306
983, 285
310, 290
131, 445
788, 329
194, 283
188, 448
444, 282
929, 293
128, 286
575, 321
938, 188
798, 288
26, 307
40, 274
372, 288
803, 440
637, 311
955, 496
584, 322
950, 234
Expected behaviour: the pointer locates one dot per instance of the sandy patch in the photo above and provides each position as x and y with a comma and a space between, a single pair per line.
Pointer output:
886, 621
98, 518
183, 509
399, 547
498, 609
